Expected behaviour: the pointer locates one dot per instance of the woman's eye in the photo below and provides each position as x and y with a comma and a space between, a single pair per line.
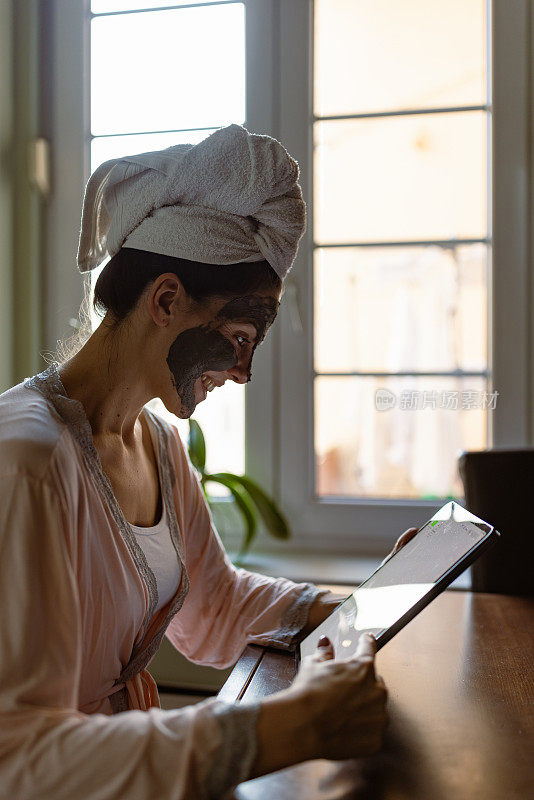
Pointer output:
243, 340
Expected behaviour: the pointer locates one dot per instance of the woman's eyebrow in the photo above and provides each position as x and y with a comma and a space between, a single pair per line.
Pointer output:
245, 311
261, 328
255, 336
254, 323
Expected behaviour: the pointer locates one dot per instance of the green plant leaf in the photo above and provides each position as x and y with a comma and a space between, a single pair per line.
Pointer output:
273, 518
196, 445
244, 505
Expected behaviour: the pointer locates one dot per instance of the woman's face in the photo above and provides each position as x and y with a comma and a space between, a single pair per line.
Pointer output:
218, 347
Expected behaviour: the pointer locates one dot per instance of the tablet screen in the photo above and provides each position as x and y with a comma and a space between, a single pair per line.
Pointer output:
401, 581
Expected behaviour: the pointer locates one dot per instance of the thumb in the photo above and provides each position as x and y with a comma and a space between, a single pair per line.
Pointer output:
404, 538
366, 648
325, 649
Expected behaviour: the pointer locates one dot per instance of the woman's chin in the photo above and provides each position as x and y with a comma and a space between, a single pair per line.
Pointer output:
185, 413
176, 407
200, 393
174, 404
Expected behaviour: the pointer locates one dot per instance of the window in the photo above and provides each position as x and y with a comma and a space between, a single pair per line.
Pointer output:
409, 269
401, 245
197, 87
453, 264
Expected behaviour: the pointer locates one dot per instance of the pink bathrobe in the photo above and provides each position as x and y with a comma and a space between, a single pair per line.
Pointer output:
77, 622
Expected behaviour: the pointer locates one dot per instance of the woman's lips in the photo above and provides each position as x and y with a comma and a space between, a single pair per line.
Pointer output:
206, 389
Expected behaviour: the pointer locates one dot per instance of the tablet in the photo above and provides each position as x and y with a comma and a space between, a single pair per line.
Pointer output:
406, 582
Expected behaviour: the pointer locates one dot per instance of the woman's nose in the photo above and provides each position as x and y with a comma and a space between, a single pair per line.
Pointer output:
240, 373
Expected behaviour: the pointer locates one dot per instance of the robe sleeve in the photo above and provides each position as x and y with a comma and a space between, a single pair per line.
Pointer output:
50, 750
228, 607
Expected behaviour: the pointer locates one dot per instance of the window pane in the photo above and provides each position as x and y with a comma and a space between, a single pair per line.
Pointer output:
400, 178
106, 6
399, 452
168, 69
106, 147
397, 309
379, 55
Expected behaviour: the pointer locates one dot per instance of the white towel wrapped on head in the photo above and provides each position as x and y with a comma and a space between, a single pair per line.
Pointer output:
234, 197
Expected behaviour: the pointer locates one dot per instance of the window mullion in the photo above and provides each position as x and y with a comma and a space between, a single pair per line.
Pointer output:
296, 363
260, 414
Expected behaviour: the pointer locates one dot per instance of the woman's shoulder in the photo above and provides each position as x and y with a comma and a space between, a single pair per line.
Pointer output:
30, 431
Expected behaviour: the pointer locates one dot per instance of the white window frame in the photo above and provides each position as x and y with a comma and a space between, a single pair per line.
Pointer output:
279, 402
367, 525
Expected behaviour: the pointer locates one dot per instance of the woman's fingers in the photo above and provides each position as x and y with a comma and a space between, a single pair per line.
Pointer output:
366, 646
345, 700
404, 538
365, 654
325, 649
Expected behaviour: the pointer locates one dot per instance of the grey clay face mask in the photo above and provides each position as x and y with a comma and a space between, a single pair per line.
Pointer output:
258, 311
204, 348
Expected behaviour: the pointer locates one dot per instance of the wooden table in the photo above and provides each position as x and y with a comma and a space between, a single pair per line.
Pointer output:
461, 704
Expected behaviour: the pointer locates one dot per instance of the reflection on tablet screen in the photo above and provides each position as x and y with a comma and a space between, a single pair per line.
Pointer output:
398, 585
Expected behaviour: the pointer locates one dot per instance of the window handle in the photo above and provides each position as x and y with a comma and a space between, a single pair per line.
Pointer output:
293, 304
39, 165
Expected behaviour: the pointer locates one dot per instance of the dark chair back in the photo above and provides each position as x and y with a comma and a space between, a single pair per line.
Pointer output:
499, 488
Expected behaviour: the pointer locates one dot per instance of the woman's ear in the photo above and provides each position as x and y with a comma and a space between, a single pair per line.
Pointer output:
166, 298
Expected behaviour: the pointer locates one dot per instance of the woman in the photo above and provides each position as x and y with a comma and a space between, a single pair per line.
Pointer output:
107, 541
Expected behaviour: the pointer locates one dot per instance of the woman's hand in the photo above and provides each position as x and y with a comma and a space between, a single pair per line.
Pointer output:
333, 709
344, 699
403, 539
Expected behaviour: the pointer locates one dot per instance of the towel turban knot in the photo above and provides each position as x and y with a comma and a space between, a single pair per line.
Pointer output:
234, 197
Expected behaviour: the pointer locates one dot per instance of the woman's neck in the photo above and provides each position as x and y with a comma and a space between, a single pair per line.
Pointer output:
106, 376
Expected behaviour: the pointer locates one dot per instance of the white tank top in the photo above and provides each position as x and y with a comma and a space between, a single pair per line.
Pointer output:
156, 544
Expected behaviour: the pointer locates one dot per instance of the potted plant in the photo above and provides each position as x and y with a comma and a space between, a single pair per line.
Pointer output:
249, 498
